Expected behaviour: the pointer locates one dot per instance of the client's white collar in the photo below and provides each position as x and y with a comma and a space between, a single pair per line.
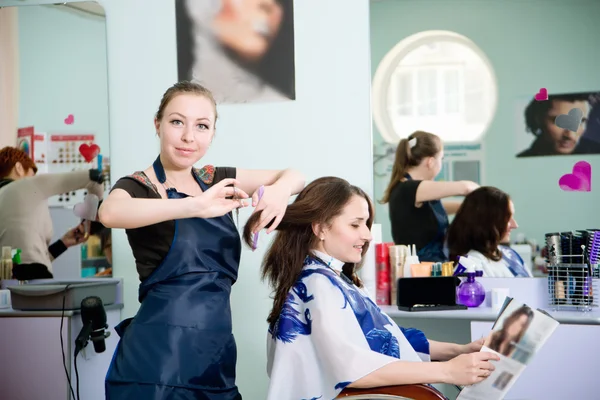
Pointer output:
333, 263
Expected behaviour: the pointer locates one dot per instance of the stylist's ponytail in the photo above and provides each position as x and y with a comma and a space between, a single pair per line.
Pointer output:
409, 153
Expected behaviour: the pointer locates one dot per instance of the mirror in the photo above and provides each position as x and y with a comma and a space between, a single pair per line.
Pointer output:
472, 85
61, 88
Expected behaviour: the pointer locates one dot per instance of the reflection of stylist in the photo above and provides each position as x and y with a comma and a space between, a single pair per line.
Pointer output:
514, 327
416, 213
25, 221
540, 117
240, 49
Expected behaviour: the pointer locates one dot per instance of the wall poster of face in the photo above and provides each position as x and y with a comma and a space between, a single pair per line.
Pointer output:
242, 50
539, 135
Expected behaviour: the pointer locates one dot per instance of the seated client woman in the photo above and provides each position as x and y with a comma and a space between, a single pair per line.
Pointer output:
325, 333
482, 223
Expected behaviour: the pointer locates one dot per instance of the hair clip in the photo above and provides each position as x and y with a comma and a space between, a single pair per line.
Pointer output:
412, 142
261, 190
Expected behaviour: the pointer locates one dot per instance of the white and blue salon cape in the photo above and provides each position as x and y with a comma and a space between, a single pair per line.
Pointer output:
330, 334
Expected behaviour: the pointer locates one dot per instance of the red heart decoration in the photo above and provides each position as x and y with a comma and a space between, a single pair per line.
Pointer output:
89, 152
70, 119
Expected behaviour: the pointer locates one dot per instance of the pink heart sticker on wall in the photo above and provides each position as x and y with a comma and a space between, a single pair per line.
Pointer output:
542, 95
70, 119
580, 180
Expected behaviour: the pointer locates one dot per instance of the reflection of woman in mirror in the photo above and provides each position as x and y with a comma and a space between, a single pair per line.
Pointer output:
240, 49
540, 117
417, 214
25, 221
480, 230
504, 341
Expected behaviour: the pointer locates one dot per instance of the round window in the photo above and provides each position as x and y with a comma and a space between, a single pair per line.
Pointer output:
436, 81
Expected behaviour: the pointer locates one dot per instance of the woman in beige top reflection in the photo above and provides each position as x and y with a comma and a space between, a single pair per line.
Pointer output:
505, 340
242, 50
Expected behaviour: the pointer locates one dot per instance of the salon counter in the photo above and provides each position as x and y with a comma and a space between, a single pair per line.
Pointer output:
34, 345
561, 369
488, 314
10, 313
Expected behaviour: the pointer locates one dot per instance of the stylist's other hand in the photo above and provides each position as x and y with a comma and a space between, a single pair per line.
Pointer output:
95, 188
468, 369
469, 186
273, 204
218, 200
75, 236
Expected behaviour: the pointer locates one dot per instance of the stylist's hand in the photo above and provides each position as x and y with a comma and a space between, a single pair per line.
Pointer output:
75, 236
468, 369
218, 200
470, 186
96, 188
273, 204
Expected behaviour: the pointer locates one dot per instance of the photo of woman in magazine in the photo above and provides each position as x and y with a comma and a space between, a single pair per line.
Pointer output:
506, 340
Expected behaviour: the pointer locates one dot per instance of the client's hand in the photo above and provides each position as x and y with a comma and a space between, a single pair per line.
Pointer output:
75, 236
473, 346
468, 369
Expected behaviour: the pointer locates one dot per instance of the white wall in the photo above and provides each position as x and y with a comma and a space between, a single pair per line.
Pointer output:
326, 131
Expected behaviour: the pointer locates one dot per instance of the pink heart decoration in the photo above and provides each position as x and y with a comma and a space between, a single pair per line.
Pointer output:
542, 95
89, 152
70, 119
87, 210
580, 180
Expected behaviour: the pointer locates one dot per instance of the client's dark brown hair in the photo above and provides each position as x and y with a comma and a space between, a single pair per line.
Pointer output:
319, 203
480, 223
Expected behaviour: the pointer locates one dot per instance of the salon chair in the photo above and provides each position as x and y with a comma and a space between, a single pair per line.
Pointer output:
400, 392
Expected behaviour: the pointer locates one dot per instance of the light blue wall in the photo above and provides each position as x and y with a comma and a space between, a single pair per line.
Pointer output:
63, 70
325, 131
531, 44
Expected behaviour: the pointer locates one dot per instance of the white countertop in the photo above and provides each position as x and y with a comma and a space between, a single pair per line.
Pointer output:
488, 314
10, 313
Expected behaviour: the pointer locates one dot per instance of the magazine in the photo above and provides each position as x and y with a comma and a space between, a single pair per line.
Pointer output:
517, 335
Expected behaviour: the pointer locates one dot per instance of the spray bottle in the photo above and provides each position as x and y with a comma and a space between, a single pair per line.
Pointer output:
470, 293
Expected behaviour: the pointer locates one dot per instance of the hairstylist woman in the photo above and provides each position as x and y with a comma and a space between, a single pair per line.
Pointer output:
187, 250
25, 221
416, 213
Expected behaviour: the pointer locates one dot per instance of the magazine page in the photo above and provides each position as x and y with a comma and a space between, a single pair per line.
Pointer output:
518, 333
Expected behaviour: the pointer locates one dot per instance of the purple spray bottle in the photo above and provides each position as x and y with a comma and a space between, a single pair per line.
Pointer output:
470, 293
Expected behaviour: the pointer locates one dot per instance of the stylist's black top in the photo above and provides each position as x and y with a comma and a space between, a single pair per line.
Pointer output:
424, 226
150, 244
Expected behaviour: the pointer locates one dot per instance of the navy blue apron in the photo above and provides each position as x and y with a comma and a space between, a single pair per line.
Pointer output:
434, 250
180, 344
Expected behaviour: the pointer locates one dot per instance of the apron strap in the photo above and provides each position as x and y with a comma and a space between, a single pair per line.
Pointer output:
159, 170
